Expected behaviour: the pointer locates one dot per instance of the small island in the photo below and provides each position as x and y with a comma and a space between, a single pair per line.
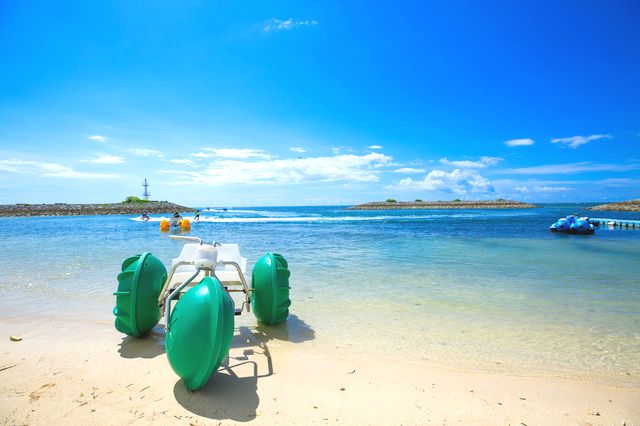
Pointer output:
391, 204
622, 206
132, 205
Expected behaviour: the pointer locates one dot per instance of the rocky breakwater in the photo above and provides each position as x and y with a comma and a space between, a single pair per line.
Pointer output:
622, 206
477, 204
63, 209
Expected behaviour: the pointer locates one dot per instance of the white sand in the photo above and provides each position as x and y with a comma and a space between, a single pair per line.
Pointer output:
88, 373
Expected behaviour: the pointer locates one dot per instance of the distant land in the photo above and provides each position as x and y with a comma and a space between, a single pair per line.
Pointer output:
622, 206
63, 209
455, 204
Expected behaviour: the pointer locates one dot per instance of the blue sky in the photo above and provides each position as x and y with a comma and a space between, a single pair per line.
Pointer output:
301, 103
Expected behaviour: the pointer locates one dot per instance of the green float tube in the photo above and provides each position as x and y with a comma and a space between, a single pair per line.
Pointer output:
139, 285
270, 289
199, 332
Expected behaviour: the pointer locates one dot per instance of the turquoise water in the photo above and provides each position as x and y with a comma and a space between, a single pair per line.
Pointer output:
485, 290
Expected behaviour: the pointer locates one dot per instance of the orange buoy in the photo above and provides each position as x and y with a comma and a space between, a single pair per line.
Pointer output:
165, 225
185, 225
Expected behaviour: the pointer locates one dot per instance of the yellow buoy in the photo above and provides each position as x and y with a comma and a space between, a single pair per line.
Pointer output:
165, 225
185, 225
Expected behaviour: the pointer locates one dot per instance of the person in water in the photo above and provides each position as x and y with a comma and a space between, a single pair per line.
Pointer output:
196, 218
145, 215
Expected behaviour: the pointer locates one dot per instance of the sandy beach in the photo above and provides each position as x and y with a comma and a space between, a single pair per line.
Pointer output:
87, 372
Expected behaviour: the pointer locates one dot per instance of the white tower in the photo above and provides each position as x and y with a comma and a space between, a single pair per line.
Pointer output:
146, 193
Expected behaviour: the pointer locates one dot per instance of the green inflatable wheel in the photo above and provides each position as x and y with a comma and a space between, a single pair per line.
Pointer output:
139, 285
270, 284
199, 332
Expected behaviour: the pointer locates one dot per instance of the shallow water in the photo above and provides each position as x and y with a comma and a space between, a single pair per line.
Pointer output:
489, 290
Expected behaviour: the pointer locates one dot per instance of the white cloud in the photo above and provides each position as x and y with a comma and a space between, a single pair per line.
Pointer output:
144, 152
202, 155
297, 149
106, 159
408, 170
288, 24
375, 147
466, 164
98, 138
14, 165
182, 161
576, 141
541, 188
242, 153
551, 188
457, 181
549, 169
519, 142
336, 151
48, 169
348, 168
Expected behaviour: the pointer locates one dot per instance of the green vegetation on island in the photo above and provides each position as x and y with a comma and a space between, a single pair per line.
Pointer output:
136, 200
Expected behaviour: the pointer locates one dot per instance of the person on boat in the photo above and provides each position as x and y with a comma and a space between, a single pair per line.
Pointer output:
196, 218
175, 221
145, 216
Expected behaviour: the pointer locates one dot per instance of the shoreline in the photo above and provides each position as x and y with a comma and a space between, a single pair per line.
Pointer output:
476, 204
75, 373
64, 209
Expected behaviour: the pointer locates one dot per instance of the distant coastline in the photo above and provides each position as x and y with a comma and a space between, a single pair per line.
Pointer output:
456, 204
63, 209
622, 206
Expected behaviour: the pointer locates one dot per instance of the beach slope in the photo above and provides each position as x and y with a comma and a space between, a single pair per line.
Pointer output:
87, 373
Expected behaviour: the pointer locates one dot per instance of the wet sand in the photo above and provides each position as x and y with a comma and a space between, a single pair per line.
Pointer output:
88, 373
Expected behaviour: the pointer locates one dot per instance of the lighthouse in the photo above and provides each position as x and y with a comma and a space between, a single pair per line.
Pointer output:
146, 193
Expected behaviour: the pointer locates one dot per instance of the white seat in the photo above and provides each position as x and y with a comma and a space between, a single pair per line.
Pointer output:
231, 253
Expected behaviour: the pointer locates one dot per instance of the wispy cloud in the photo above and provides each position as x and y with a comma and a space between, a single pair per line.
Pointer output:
242, 153
347, 168
106, 159
98, 138
408, 170
458, 181
550, 169
519, 142
184, 161
466, 164
375, 147
526, 189
14, 165
288, 24
144, 152
576, 141
48, 169
297, 149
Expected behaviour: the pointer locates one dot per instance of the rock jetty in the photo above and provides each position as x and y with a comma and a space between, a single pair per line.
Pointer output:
62, 209
622, 206
477, 204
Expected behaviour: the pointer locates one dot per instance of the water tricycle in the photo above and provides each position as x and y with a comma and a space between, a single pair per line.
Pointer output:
195, 300
573, 225
175, 223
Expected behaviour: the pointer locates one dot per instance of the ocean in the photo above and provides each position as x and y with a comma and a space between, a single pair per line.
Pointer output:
479, 290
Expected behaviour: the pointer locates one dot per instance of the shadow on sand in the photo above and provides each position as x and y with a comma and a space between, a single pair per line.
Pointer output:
148, 346
231, 393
